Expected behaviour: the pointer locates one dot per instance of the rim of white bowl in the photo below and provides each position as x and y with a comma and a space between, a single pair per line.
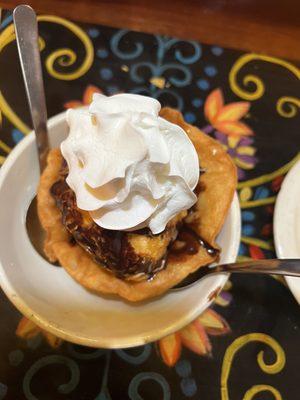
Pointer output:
280, 222
58, 331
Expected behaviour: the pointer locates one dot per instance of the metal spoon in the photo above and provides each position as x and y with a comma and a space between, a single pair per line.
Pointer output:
26, 30
289, 267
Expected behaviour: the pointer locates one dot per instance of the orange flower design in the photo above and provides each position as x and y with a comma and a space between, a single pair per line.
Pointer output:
86, 98
194, 337
226, 118
27, 329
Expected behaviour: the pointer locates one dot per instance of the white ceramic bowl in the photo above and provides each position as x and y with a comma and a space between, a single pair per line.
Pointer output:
53, 300
287, 223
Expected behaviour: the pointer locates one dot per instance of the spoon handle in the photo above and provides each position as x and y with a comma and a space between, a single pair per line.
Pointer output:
27, 40
290, 267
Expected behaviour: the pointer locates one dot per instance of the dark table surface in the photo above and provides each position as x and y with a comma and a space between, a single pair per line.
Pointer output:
246, 345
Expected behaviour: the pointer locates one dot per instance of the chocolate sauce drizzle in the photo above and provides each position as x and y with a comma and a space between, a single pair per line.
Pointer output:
191, 242
112, 249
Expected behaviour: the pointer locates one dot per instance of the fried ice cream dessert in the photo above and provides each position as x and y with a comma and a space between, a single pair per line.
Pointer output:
133, 255
135, 197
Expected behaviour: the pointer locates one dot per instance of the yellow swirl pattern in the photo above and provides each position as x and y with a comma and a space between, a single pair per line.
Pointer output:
67, 57
7, 36
291, 103
269, 177
12, 116
273, 368
251, 393
258, 203
286, 106
4, 147
63, 57
257, 242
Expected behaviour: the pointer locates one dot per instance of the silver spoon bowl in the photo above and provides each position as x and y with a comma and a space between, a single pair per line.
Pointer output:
34, 229
26, 29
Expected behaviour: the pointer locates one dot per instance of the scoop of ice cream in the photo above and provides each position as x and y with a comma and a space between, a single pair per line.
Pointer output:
129, 167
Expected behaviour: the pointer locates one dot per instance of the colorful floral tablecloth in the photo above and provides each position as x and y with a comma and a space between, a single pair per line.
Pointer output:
247, 345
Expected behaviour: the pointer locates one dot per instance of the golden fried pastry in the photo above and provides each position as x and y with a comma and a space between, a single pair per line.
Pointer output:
91, 255
133, 255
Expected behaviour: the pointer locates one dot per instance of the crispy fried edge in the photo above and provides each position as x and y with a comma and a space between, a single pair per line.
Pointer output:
213, 203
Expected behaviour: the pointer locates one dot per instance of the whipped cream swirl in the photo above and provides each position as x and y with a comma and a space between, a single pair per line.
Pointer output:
129, 167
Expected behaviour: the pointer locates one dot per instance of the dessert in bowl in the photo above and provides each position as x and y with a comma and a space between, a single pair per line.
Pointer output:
117, 199
132, 201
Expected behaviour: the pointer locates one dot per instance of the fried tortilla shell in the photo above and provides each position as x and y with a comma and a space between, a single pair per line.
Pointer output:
218, 184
